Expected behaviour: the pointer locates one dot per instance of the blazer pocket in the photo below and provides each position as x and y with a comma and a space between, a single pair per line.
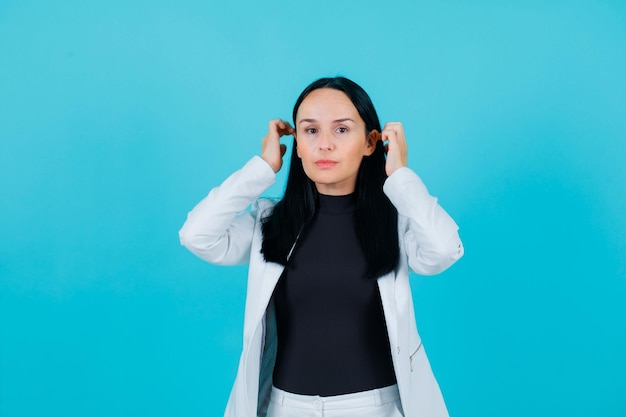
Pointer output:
417, 349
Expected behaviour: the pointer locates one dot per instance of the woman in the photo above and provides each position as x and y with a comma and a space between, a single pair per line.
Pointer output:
329, 323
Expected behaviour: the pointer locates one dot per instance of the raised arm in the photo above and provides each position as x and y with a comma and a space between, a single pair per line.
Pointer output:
220, 228
429, 234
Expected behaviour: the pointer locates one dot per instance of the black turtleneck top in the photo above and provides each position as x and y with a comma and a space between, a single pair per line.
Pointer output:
332, 337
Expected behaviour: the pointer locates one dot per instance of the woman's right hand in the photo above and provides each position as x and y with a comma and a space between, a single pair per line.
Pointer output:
272, 150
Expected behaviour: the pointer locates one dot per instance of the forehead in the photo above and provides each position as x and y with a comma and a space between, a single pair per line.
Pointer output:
327, 103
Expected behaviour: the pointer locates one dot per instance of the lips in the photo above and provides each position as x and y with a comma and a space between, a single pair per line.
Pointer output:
325, 163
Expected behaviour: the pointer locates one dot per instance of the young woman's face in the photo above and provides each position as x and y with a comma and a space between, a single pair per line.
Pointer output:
331, 141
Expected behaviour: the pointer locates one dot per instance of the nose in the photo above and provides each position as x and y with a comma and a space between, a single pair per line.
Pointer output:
325, 142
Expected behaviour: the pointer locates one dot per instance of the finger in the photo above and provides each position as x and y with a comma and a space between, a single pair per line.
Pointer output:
288, 130
394, 127
389, 134
273, 128
283, 125
285, 128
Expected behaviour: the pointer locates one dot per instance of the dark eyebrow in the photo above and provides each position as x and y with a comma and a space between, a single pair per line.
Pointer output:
345, 119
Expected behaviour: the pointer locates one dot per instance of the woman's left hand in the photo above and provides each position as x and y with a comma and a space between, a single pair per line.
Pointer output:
396, 148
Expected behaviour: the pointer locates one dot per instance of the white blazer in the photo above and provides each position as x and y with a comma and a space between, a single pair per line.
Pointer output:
224, 229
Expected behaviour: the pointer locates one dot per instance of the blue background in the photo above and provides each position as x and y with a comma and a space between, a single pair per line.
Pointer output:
117, 117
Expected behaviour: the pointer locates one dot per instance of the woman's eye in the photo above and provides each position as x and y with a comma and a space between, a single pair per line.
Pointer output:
342, 129
310, 130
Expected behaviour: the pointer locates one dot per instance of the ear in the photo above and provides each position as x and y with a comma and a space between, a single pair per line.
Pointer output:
372, 139
369, 148
295, 143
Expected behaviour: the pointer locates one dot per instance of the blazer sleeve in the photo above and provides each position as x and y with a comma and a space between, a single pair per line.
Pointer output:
220, 228
429, 235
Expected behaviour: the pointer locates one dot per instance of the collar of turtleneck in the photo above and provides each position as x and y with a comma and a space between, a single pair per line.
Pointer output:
337, 203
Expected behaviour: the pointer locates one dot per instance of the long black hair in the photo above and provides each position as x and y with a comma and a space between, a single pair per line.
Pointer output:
376, 219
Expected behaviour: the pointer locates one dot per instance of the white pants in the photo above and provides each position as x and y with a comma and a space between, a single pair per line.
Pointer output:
382, 402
